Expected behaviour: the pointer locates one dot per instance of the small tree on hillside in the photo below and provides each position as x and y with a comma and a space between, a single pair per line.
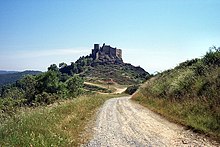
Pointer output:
74, 85
28, 85
62, 65
48, 82
53, 67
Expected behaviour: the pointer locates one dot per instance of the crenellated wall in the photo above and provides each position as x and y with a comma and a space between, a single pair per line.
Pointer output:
106, 51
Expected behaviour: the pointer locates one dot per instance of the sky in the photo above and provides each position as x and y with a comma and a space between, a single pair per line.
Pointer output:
154, 34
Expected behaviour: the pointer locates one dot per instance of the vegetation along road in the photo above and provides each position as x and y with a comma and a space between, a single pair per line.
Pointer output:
122, 122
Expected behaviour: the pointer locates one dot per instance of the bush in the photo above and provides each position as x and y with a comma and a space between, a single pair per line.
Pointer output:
132, 89
28, 85
199, 68
45, 98
74, 86
187, 63
212, 57
9, 105
12, 92
48, 82
42, 89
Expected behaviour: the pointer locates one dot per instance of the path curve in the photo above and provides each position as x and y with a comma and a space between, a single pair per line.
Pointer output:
119, 90
121, 122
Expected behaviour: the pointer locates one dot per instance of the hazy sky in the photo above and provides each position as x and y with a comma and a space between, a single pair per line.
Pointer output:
155, 34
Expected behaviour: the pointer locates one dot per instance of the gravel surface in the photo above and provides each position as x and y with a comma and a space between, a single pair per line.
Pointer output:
122, 122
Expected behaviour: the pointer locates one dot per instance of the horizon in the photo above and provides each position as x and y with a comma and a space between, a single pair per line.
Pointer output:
155, 35
89, 54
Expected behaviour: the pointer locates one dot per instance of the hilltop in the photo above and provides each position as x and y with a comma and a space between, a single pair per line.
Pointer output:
103, 71
105, 63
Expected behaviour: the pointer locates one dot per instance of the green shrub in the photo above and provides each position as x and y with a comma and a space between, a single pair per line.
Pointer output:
132, 89
212, 57
28, 85
187, 63
45, 98
12, 92
199, 68
74, 85
48, 82
9, 105
43, 89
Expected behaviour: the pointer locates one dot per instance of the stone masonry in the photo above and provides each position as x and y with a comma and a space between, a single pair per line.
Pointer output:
106, 53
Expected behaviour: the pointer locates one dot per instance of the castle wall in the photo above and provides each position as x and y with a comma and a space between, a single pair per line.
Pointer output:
106, 50
94, 51
113, 52
119, 53
96, 46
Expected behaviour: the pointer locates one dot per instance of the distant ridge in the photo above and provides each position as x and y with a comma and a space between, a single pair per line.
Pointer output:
7, 72
10, 77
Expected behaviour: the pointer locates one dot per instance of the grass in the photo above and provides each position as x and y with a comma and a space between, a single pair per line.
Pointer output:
60, 124
193, 114
188, 94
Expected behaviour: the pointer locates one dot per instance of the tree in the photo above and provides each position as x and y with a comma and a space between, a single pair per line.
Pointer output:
12, 92
74, 85
53, 67
62, 65
64, 77
212, 57
28, 85
74, 68
48, 82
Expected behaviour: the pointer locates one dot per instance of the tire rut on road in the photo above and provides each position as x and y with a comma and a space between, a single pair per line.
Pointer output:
121, 122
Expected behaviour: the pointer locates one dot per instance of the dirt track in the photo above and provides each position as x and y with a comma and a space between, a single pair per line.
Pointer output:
121, 122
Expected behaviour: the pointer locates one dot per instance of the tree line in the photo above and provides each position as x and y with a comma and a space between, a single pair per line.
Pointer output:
41, 89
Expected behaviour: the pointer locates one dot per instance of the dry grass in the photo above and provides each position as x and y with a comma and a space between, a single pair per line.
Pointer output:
57, 125
202, 114
188, 94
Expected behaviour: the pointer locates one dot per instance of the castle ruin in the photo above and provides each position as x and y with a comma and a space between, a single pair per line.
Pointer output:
106, 53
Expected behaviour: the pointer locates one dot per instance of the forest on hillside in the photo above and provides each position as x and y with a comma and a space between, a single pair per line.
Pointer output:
41, 89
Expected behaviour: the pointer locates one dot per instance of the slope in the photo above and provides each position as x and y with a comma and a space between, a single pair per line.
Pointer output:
188, 94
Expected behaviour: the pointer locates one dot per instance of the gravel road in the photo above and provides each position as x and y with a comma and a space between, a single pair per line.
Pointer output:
122, 122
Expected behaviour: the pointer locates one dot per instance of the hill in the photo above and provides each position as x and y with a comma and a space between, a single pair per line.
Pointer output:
103, 70
188, 94
77, 101
105, 63
7, 72
7, 77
